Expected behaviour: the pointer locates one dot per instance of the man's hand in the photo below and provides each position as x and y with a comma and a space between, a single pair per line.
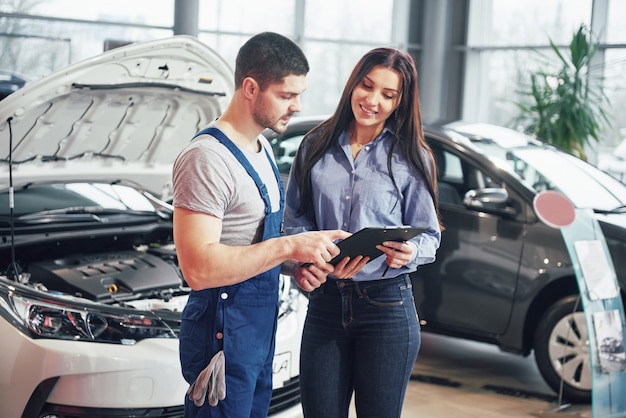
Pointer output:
316, 247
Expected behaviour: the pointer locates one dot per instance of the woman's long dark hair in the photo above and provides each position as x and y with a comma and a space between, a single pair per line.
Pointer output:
409, 135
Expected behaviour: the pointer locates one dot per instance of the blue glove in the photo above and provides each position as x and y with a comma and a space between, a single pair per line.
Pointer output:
210, 383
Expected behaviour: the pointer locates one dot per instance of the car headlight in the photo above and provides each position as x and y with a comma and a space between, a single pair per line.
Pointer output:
42, 315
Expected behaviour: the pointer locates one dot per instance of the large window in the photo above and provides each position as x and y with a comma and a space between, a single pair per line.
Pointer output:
531, 22
503, 44
350, 21
246, 17
41, 36
615, 29
615, 82
140, 12
38, 37
505, 38
333, 34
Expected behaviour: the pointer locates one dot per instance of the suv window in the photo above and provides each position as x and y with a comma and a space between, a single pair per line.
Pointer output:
455, 177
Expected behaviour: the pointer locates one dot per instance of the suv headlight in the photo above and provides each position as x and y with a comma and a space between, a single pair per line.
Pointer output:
42, 315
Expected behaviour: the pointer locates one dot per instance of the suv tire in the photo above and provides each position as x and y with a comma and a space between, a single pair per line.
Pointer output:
561, 347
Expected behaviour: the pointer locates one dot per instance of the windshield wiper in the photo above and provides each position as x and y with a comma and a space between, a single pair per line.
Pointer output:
79, 213
619, 209
51, 158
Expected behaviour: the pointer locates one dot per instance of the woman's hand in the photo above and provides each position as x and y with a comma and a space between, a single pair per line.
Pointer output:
399, 254
310, 276
347, 268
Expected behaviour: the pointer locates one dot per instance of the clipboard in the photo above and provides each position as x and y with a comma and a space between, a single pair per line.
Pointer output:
364, 242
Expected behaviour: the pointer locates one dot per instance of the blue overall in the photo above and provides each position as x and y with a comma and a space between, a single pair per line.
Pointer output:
239, 319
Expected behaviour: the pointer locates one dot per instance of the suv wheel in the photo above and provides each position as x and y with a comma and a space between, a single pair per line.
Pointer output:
561, 347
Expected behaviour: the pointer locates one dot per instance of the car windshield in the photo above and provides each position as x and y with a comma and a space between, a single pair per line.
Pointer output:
74, 198
545, 168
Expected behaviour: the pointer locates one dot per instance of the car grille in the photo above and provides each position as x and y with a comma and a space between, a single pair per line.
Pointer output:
285, 397
282, 399
59, 411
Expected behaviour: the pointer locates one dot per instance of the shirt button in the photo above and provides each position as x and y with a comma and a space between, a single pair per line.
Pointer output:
219, 335
224, 295
347, 197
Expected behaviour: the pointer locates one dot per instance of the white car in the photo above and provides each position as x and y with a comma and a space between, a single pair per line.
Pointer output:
90, 289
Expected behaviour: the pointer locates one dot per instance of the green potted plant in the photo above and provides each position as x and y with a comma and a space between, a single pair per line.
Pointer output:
565, 107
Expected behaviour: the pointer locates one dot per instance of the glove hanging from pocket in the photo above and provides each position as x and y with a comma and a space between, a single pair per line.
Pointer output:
210, 383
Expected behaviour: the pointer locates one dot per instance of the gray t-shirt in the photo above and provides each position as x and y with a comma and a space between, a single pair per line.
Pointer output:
208, 178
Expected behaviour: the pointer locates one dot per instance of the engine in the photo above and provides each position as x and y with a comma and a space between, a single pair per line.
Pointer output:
111, 276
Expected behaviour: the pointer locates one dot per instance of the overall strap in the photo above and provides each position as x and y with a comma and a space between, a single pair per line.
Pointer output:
219, 135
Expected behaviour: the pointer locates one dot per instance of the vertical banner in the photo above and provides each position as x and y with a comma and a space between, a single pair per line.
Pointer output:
601, 299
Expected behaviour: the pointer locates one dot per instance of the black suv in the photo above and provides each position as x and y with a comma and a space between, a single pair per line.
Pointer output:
501, 275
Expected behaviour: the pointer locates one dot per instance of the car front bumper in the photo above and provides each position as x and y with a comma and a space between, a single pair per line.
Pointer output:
144, 379
144, 375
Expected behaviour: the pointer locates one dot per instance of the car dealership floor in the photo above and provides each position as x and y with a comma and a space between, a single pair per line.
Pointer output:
458, 378
454, 378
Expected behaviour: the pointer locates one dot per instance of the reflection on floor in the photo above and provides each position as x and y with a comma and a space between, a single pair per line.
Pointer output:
457, 378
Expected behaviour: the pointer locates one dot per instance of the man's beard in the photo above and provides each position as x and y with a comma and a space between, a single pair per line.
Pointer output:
267, 120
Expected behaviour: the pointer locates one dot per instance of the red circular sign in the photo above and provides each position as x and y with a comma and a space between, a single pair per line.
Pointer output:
554, 209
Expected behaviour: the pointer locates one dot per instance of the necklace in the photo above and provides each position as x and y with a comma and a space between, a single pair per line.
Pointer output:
354, 141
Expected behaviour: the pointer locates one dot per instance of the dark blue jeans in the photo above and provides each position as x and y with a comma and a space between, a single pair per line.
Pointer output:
361, 338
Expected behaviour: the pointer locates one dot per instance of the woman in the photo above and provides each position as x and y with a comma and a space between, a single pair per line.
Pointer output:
367, 165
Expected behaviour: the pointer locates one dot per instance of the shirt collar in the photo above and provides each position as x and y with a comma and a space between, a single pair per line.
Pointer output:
387, 131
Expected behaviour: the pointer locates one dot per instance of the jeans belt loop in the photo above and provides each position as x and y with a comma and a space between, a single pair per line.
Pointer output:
357, 289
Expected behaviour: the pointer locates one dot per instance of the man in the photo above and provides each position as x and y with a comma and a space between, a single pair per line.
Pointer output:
228, 200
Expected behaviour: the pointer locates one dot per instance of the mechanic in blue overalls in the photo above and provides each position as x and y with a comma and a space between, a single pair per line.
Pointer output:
228, 201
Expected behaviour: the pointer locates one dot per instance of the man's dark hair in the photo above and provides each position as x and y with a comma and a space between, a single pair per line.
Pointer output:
269, 57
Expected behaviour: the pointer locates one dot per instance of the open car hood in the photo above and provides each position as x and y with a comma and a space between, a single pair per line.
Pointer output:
125, 113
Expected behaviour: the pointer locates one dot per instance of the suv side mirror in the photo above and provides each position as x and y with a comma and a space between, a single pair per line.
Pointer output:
492, 200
